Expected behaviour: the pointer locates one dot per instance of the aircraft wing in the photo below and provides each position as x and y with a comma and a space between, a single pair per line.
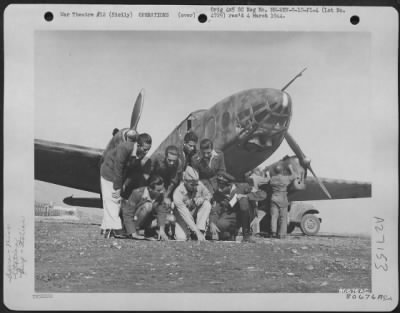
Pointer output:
339, 189
68, 165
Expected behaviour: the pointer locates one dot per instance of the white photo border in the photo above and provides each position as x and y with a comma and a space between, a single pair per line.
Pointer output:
20, 24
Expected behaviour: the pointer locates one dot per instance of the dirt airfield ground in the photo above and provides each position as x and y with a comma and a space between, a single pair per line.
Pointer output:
72, 256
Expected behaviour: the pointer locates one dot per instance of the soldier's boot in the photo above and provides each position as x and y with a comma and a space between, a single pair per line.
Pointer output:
105, 233
118, 234
248, 237
225, 236
150, 233
192, 236
136, 236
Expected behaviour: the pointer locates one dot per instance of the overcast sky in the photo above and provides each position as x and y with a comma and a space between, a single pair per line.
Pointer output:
87, 82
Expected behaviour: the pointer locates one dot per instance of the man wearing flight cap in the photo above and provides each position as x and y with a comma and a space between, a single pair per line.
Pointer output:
233, 209
113, 164
192, 206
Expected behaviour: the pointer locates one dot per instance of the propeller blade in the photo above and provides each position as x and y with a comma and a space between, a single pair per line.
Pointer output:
137, 110
304, 161
320, 183
295, 147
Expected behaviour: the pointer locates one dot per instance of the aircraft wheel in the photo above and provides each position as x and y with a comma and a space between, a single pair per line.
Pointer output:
291, 227
309, 225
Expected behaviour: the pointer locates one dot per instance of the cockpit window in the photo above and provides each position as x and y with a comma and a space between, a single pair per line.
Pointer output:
243, 114
260, 116
257, 107
210, 129
225, 120
277, 120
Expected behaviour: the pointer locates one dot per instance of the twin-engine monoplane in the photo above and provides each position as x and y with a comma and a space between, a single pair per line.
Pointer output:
247, 126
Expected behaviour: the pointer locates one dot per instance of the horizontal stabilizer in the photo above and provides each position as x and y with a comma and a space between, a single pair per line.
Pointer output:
338, 189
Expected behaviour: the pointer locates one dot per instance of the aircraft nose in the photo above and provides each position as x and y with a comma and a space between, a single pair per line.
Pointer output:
265, 118
272, 118
274, 113
285, 100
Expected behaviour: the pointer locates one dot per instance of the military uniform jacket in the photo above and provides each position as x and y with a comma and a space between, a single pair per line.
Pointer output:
279, 185
209, 169
117, 139
186, 159
113, 168
134, 174
222, 199
115, 159
182, 198
139, 197
185, 202
171, 176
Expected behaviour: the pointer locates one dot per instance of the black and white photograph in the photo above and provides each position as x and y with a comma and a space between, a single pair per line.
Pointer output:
205, 161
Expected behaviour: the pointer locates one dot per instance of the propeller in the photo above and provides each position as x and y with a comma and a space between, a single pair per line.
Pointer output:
137, 110
304, 161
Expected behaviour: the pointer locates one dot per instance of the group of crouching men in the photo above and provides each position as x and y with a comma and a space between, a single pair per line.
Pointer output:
182, 194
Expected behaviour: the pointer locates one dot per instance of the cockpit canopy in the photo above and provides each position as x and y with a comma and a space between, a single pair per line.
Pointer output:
261, 123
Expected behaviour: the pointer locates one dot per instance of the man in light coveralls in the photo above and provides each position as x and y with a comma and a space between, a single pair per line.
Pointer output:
192, 206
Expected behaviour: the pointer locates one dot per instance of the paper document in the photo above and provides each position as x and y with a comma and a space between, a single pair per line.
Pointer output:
233, 201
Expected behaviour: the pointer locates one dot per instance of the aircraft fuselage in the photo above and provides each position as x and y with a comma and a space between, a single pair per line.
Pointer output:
247, 126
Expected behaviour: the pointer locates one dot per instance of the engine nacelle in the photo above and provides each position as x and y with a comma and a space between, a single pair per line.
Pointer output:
298, 170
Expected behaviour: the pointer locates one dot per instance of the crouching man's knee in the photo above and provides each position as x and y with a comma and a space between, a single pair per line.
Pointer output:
180, 233
170, 219
144, 210
206, 205
147, 208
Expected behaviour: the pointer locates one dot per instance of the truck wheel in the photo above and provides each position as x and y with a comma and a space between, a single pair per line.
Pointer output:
291, 227
309, 224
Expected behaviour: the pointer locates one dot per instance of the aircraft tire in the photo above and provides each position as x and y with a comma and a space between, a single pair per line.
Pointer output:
310, 225
291, 227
